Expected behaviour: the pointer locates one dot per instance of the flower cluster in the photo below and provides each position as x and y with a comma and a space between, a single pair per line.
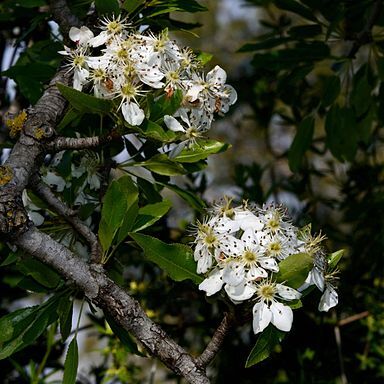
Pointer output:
240, 250
124, 64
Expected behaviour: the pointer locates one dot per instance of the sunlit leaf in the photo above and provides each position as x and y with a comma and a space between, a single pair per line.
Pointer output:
175, 259
294, 269
85, 103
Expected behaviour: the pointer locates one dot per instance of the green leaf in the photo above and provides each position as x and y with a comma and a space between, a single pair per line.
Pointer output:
204, 57
192, 199
31, 3
131, 193
297, 8
40, 272
331, 90
131, 5
154, 131
123, 335
167, 6
301, 143
71, 363
107, 7
361, 95
22, 327
265, 345
65, 311
201, 150
71, 115
175, 259
150, 214
112, 214
164, 105
8, 322
342, 135
162, 165
265, 43
85, 103
305, 31
294, 269
302, 52
335, 257
10, 259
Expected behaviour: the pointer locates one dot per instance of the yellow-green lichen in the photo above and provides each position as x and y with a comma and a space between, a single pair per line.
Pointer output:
15, 124
6, 174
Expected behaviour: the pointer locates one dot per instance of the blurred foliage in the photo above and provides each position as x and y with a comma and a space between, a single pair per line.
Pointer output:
311, 76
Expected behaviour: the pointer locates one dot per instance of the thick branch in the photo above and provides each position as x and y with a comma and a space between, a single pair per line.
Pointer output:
216, 342
27, 154
63, 15
102, 291
43, 191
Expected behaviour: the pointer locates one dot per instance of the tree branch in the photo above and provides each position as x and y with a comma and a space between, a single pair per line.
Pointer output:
63, 143
44, 192
27, 154
102, 291
63, 15
365, 36
23, 162
216, 342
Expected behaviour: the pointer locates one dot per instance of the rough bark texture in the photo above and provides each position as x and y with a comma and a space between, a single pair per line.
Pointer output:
102, 291
21, 170
22, 166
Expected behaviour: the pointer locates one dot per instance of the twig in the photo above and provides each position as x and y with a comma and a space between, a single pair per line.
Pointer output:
61, 143
216, 342
353, 318
365, 36
336, 330
44, 192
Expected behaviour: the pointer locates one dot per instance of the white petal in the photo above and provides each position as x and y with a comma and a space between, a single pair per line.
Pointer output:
173, 124
262, 316
226, 225
193, 92
240, 292
212, 283
287, 293
36, 218
256, 272
98, 40
317, 278
282, 316
233, 273
231, 94
231, 246
80, 35
269, 263
80, 78
203, 264
248, 220
217, 75
132, 113
329, 299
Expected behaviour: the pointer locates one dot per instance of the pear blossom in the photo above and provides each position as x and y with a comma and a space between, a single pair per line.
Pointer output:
329, 298
80, 36
111, 28
78, 64
269, 310
239, 250
211, 92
